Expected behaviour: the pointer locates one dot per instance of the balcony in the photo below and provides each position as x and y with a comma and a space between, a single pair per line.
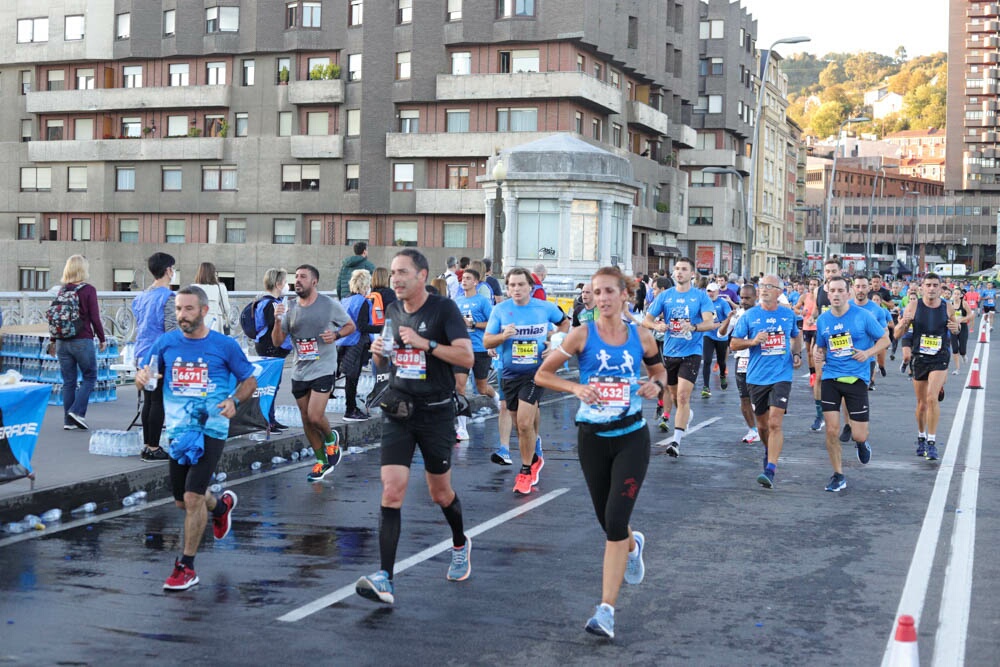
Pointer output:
714, 157
451, 202
648, 118
455, 144
317, 147
530, 85
684, 135
320, 91
113, 99
126, 150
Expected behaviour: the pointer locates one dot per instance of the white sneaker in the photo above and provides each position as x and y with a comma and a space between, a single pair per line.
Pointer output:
496, 400
461, 434
751, 436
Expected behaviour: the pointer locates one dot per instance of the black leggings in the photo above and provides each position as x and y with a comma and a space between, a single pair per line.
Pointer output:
152, 415
614, 469
960, 343
720, 348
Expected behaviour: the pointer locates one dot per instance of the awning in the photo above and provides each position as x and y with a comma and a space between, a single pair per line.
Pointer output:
663, 250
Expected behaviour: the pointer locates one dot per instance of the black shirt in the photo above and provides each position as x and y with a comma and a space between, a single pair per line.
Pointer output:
438, 319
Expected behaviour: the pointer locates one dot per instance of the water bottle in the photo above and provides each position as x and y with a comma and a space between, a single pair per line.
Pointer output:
255, 465
52, 516
128, 501
15, 528
305, 453
220, 477
32, 521
85, 508
154, 367
215, 488
278, 460
388, 341
140, 496
294, 456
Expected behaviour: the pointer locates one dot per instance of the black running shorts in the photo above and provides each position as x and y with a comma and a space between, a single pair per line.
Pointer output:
431, 428
854, 396
766, 396
196, 478
685, 368
521, 388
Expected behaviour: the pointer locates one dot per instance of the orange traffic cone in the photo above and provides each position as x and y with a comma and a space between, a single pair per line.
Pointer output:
904, 645
974, 381
982, 334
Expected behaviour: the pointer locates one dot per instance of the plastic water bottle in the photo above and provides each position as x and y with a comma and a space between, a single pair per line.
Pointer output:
215, 488
52, 516
86, 508
153, 380
305, 453
134, 499
255, 465
388, 341
278, 460
17, 527
31, 520
294, 456
220, 477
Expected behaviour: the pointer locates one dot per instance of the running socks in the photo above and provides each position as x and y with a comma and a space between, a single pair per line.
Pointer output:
819, 409
526, 470
388, 537
187, 561
453, 514
931, 437
921, 435
678, 435
770, 466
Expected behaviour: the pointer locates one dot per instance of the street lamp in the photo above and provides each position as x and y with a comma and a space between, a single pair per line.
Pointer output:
749, 223
913, 236
871, 213
808, 210
833, 176
499, 221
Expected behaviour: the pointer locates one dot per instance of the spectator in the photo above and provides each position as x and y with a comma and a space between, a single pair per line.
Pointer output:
451, 278
463, 264
640, 293
275, 281
207, 279
78, 353
359, 260
538, 275
353, 353
438, 286
492, 281
380, 284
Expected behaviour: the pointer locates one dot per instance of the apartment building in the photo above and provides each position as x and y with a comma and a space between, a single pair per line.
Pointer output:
259, 134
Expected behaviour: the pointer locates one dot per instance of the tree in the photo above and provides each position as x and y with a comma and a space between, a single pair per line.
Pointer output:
828, 118
867, 69
900, 54
833, 75
926, 106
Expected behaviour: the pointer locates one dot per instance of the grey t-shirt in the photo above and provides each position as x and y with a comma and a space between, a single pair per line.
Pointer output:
313, 357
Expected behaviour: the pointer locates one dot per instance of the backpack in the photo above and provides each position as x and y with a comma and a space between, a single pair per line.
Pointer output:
64, 314
248, 318
377, 315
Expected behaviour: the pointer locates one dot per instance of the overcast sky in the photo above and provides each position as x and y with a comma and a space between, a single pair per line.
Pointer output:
853, 25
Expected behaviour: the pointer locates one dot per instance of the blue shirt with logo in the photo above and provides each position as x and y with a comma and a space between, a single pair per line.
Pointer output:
989, 297
855, 330
771, 361
722, 310
522, 354
479, 307
880, 314
614, 371
677, 309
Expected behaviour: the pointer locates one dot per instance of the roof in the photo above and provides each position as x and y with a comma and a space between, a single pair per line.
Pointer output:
911, 134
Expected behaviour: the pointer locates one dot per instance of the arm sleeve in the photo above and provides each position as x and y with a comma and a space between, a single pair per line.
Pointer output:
169, 314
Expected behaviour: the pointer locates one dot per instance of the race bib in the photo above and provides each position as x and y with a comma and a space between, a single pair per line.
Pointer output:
741, 364
930, 345
842, 345
614, 392
774, 345
676, 330
411, 364
307, 349
189, 379
524, 352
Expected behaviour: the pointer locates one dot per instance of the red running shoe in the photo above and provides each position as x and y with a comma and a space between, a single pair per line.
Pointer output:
522, 484
181, 579
812, 379
222, 524
536, 467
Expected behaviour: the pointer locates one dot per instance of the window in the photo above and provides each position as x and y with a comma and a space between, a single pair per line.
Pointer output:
461, 62
222, 19
174, 231
353, 122
297, 177
457, 120
81, 229
579, 122
316, 67
132, 76
354, 67
172, 178
715, 104
402, 177
218, 178
33, 279
404, 11
633, 32
595, 128
73, 29
132, 127
177, 126
716, 66
26, 129
403, 66
215, 73
291, 14
580, 62
699, 179
357, 230
312, 14
509, 8
128, 230
353, 172
284, 231
169, 22
249, 72
236, 231
616, 135
522, 60
53, 130
537, 226
25, 229
619, 230
454, 12
25, 81
405, 232
456, 234
318, 123
584, 235
56, 79
598, 72
615, 79
713, 29
32, 30
179, 73
123, 26
283, 65
517, 120
458, 177
284, 123
76, 179
700, 215
242, 123
36, 179
125, 179
355, 12
409, 121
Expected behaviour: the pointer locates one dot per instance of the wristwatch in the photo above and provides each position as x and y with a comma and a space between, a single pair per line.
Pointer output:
431, 346
236, 401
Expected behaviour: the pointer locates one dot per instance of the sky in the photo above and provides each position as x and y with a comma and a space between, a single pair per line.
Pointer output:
850, 26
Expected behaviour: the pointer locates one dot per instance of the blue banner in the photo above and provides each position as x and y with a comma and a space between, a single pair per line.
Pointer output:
22, 409
251, 415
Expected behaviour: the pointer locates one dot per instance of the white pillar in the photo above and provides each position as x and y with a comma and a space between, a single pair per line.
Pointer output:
510, 232
604, 234
489, 221
564, 252
628, 238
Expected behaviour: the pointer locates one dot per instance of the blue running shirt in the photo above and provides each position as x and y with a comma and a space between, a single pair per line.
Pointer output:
615, 371
880, 314
842, 337
771, 361
476, 308
678, 308
722, 310
522, 354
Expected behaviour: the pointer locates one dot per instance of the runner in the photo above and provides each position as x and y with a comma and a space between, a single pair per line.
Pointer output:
988, 297
612, 436
519, 328
662, 409
831, 269
862, 290
689, 313
714, 344
430, 337
847, 337
475, 309
893, 304
933, 320
965, 317
806, 310
208, 377
585, 311
748, 299
308, 321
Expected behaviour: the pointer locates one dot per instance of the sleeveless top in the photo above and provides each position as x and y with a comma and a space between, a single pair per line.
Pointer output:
615, 371
930, 332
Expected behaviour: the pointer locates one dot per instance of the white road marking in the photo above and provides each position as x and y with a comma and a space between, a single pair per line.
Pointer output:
428, 553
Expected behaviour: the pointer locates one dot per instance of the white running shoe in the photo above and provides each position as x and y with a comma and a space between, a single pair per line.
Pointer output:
461, 433
751, 436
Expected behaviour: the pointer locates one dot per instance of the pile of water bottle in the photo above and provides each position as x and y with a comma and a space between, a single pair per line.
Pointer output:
107, 442
34, 522
288, 415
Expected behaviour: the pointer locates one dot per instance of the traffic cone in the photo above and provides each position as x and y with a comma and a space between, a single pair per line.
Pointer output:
982, 334
974, 381
904, 645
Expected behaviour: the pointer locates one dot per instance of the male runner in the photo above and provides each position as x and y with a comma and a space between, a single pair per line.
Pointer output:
206, 375
988, 296
475, 309
585, 311
430, 337
315, 322
805, 308
714, 344
831, 269
862, 289
748, 299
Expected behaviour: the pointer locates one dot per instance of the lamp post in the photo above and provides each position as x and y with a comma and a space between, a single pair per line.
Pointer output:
871, 213
913, 235
749, 224
808, 209
833, 176
499, 221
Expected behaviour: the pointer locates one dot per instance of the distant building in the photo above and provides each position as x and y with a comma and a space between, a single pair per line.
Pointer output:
929, 143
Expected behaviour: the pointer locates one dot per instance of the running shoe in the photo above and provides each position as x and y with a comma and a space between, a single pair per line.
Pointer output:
277, 428
766, 479
941, 395
954, 372
921, 446
724, 382
222, 524
501, 456
864, 452
538, 446
71, 427
659, 409
673, 449
333, 451
845, 434
461, 434
706, 392
376, 587
812, 379
461, 562
635, 568
837, 482
871, 386
881, 369
355, 415
664, 424
902, 366
150, 455
751, 436
931, 454
80, 422
319, 471
522, 484
602, 623
817, 425
536, 467
181, 579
